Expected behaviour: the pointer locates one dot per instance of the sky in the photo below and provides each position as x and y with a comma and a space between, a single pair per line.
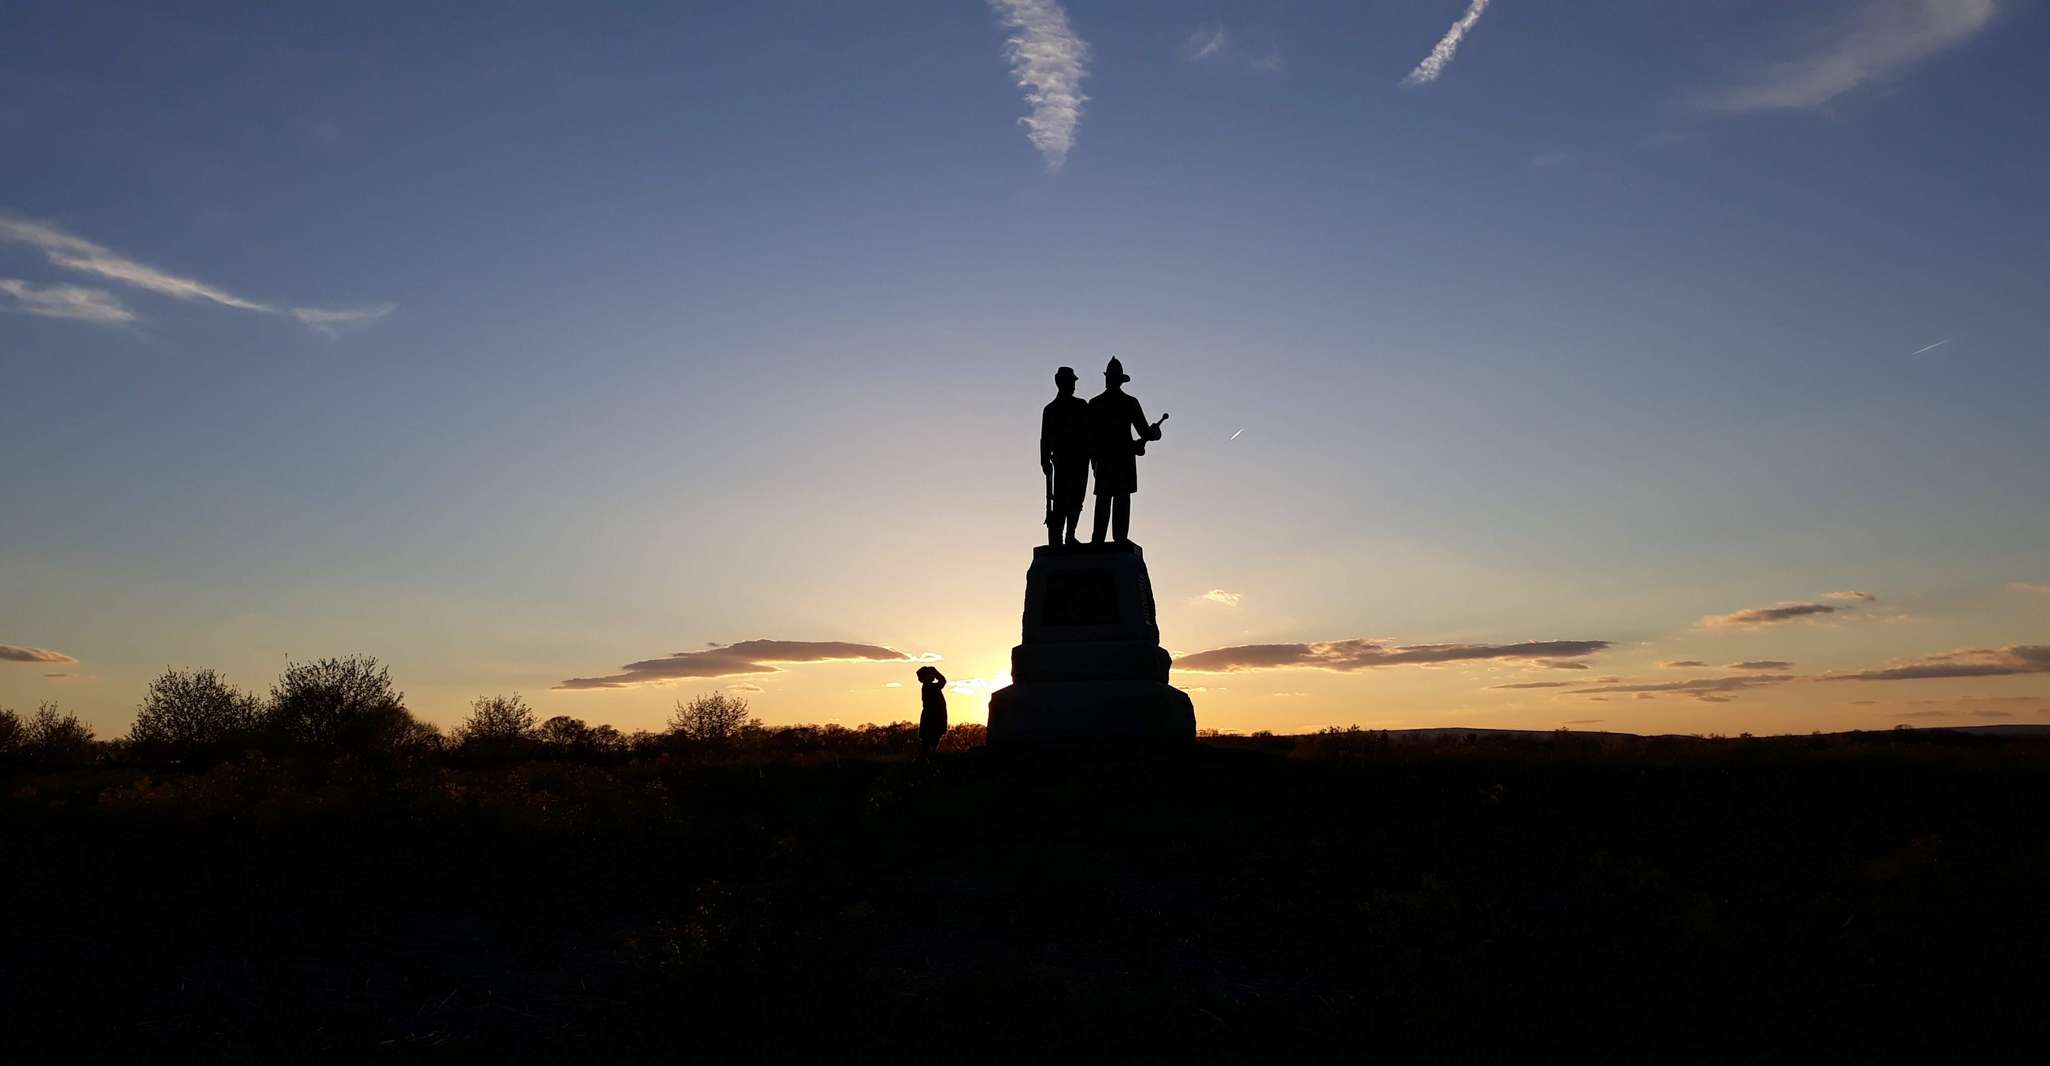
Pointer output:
1657, 367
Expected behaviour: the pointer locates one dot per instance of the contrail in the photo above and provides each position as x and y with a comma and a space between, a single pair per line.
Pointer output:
1047, 61
72, 252
1434, 64
1233, 437
1932, 347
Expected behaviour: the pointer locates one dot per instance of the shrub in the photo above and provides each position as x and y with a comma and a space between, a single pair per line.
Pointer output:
713, 718
12, 732
570, 737
965, 736
562, 731
497, 721
345, 705
57, 736
189, 712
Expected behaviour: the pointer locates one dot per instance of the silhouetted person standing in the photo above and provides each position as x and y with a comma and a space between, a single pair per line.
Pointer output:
1064, 457
932, 704
1114, 415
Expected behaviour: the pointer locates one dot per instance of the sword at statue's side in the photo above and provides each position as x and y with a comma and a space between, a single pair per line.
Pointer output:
1050, 516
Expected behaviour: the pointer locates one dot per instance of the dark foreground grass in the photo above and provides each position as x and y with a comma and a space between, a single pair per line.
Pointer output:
1500, 900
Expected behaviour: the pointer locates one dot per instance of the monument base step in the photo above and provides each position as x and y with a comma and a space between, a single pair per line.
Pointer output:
1090, 660
1079, 710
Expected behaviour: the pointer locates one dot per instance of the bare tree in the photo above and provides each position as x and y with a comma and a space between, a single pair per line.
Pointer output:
497, 721
564, 732
57, 736
345, 705
13, 732
715, 717
189, 711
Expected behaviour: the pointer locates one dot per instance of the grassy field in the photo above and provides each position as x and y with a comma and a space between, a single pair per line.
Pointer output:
1452, 898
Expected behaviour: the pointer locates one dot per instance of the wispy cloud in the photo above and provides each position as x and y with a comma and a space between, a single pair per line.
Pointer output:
1705, 688
1229, 599
1752, 617
77, 253
1931, 347
1049, 62
1866, 41
1683, 664
1850, 596
2012, 660
1349, 655
1205, 42
66, 301
14, 653
746, 657
334, 323
1537, 684
1434, 64
978, 686
2033, 586
1972, 662
71, 252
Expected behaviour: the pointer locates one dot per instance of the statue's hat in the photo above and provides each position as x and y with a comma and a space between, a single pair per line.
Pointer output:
1066, 373
1116, 370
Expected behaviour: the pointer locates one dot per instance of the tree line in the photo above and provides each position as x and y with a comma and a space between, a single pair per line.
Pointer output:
347, 706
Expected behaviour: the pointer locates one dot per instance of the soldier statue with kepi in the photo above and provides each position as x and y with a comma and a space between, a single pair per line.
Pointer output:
1064, 441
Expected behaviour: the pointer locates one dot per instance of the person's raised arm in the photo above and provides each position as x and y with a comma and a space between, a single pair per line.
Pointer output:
938, 678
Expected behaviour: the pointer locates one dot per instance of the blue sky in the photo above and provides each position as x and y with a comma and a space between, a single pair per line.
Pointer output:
626, 332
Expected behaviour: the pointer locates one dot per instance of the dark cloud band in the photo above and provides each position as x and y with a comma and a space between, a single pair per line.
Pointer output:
1765, 616
1349, 655
1975, 662
732, 660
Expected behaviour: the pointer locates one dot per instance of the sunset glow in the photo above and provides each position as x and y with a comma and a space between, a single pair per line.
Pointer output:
651, 354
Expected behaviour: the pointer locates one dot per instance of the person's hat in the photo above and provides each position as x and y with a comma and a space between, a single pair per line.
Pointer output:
1066, 373
1116, 370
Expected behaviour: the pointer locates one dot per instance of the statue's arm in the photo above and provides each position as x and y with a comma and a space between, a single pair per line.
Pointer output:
1139, 423
1045, 439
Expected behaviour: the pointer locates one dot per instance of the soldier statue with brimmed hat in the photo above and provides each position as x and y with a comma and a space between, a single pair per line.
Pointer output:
1064, 442
1114, 416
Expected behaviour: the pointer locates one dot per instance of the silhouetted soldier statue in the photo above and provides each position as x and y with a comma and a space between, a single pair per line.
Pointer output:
1114, 415
1064, 442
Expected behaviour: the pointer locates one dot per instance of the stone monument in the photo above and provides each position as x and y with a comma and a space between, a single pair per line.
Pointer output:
1091, 665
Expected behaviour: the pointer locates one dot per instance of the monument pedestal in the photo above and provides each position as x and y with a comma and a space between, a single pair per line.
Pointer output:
1091, 665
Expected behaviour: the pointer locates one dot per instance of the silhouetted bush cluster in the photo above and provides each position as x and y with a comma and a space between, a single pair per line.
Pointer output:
347, 708
50, 736
331, 708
